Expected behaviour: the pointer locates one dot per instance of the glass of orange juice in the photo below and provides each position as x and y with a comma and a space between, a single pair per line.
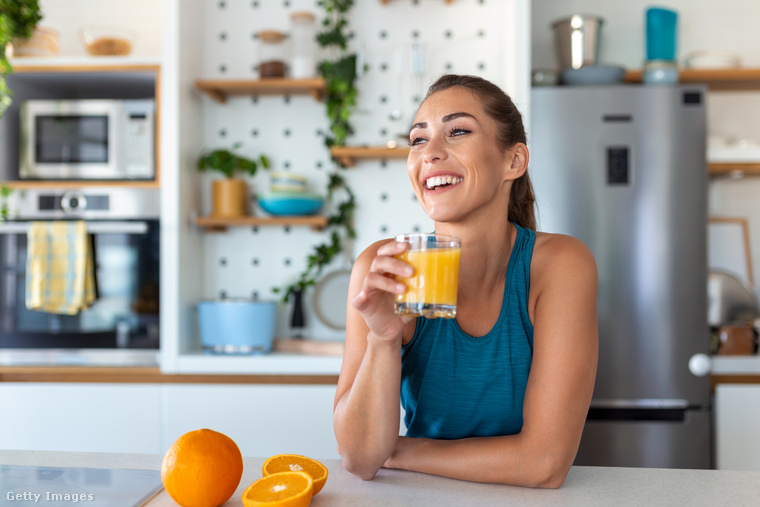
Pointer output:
432, 289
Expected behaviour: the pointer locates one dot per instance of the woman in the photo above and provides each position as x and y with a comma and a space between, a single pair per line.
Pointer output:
499, 394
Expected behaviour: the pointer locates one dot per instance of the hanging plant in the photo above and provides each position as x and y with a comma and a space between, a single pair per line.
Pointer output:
339, 73
17, 20
5, 193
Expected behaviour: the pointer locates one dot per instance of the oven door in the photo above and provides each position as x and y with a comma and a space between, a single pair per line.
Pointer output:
125, 314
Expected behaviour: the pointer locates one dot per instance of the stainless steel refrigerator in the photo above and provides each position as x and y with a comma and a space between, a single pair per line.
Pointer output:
623, 168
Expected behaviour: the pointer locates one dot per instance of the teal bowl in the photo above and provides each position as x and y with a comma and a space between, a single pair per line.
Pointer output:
290, 204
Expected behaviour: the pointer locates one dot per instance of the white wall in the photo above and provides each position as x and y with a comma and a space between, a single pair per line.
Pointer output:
702, 24
68, 16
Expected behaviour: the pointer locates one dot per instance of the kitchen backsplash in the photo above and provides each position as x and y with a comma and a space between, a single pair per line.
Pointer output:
405, 44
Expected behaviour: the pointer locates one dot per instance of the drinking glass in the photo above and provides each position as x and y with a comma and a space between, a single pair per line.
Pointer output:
432, 289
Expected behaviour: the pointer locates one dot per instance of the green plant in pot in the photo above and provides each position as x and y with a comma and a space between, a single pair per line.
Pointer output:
229, 196
17, 20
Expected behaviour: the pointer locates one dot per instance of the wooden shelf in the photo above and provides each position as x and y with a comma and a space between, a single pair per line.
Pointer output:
385, 2
349, 155
217, 224
55, 185
715, 79
730, 168
220, 90
84, 64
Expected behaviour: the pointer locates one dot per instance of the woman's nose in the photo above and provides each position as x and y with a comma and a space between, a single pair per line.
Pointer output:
434, 151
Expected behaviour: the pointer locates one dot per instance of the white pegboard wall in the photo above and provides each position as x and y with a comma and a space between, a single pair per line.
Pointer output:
405, 44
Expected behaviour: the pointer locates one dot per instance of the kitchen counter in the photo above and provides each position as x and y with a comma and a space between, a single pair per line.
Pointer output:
586, 486
736, 365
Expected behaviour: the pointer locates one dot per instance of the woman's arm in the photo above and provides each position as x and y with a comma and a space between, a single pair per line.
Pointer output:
559, 387
367, 413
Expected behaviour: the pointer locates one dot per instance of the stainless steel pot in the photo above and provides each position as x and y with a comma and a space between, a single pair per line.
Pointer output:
729, 300
576, 40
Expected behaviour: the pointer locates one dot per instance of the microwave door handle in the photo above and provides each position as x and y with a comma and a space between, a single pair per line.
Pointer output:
92, 227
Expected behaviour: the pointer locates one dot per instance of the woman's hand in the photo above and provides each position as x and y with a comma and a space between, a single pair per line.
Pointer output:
375, 299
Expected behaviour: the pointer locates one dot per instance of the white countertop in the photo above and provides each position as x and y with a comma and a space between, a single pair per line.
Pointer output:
585, 486
736, 365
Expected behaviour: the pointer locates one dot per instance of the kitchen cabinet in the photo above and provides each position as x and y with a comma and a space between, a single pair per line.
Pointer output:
81, 417
262, 419
737, 424
61, 79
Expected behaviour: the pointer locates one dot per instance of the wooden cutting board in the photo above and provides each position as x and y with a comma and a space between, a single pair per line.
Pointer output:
309, 347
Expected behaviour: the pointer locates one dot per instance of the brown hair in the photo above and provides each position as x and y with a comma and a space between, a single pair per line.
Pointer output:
499, 106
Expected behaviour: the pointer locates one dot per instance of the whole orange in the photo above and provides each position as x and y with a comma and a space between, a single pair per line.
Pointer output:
202, 468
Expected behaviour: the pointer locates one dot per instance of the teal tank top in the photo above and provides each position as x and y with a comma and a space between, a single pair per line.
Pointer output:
454, 385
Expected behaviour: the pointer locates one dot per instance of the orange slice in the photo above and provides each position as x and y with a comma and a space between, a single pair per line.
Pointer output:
296, 463
284, 489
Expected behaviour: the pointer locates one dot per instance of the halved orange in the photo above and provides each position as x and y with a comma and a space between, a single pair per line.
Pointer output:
296, 463
283, 489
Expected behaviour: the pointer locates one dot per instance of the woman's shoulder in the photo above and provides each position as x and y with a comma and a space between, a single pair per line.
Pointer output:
558, 254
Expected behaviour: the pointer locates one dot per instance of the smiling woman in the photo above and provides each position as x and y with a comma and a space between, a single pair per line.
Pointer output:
500, 393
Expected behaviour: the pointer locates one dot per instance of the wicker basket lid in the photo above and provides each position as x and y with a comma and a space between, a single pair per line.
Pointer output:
271, 36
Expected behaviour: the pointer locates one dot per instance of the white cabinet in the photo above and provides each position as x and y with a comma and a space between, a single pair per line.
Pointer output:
737, 421
80, 417
262, 419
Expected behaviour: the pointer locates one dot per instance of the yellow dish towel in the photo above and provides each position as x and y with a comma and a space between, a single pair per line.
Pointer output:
60, 271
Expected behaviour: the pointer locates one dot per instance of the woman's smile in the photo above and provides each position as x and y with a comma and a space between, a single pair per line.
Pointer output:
441, 182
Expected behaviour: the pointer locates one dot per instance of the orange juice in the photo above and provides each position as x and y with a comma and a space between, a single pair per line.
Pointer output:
432, 290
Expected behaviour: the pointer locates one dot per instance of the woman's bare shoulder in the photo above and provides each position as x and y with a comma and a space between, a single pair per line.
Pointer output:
559, 254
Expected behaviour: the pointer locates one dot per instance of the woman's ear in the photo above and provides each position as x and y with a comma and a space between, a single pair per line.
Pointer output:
519, 161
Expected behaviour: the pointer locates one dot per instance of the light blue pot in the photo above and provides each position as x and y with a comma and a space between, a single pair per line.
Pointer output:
237, 326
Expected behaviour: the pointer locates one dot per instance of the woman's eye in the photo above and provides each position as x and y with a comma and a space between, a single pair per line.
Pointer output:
415, 141
458, 132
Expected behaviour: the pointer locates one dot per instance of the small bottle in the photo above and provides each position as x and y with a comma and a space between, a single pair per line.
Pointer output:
303, 36
272, 61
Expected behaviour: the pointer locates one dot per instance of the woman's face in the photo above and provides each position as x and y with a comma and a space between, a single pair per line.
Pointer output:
456, 164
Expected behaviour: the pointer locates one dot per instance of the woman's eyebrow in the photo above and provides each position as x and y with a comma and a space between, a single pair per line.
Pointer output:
454, 116
447, 118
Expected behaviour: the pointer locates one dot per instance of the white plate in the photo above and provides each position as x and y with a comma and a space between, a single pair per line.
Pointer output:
712, 59
331, 298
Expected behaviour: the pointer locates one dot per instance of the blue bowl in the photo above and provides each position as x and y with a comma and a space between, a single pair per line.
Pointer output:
290, 204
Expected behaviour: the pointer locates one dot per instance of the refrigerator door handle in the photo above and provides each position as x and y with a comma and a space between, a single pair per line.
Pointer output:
638, 410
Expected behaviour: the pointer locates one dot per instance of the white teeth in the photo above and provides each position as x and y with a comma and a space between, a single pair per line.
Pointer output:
437, 181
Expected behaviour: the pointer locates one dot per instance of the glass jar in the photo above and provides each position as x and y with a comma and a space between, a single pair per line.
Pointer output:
303, 33
272, 54
660, 72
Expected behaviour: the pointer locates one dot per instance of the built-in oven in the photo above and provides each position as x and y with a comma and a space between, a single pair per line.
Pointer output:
122, 325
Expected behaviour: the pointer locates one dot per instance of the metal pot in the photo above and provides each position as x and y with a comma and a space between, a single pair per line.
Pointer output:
237, 326
729, 300
576, 40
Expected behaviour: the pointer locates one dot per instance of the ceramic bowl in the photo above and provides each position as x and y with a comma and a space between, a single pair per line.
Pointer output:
108, 40
290, 204
593, 75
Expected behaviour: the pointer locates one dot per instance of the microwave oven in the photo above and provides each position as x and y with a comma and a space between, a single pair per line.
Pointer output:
88, 139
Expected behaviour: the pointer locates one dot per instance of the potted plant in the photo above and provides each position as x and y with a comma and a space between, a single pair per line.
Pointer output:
17, 20
229, 196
